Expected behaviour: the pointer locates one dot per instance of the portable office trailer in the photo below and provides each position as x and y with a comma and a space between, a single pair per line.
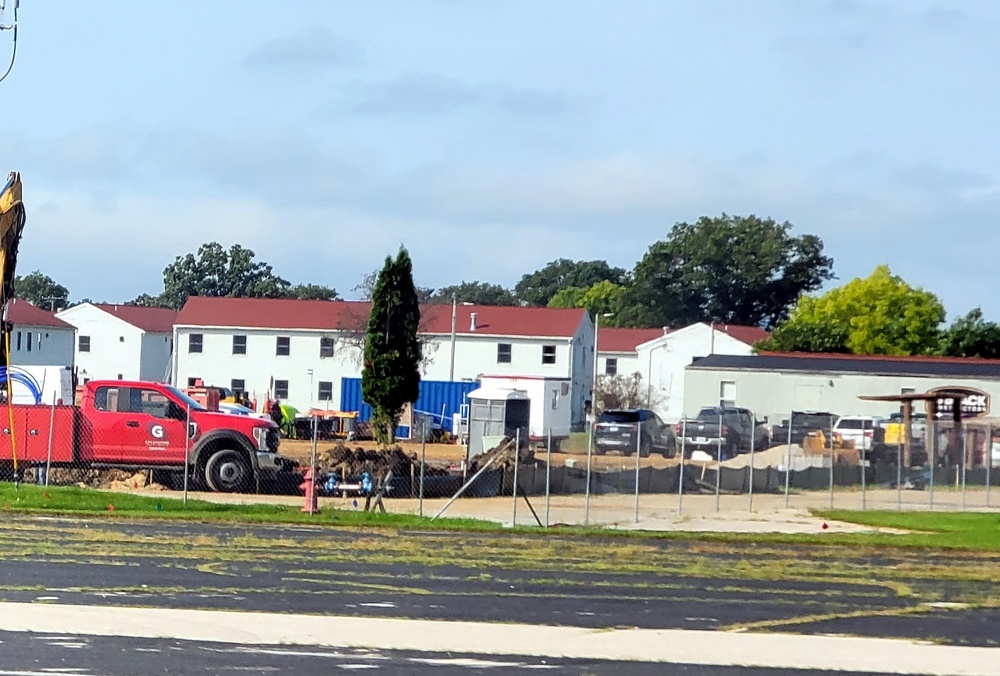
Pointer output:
495, 413
551, 403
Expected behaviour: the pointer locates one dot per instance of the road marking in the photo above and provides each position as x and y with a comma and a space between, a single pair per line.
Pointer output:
676, 646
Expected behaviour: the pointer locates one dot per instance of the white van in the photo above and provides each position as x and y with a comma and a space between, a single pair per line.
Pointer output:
863, 430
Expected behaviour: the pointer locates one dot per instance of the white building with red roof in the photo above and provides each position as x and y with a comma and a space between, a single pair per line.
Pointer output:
299, 350
121, 341
38, 338
662, 361
617, 349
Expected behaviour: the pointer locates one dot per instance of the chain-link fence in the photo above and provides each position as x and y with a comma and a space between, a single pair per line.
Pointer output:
139, 439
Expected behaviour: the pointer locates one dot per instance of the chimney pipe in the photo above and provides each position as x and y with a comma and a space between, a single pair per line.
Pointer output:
473, 317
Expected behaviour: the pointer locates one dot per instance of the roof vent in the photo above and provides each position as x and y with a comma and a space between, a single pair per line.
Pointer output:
473, 321
666, 330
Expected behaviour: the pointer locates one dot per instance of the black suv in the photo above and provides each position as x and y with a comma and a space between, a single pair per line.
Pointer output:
615, 430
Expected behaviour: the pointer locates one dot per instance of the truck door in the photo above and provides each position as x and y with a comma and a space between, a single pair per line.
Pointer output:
153, 429
106, 426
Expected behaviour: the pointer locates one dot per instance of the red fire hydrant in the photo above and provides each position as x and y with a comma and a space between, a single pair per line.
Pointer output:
310, 488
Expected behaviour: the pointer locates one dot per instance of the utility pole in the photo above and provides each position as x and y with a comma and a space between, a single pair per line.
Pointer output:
454, 326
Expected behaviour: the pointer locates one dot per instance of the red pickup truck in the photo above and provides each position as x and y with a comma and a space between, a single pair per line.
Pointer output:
138, 424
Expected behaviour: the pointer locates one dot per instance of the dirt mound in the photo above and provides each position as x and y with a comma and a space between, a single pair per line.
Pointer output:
350, 462
506, 449
106, 479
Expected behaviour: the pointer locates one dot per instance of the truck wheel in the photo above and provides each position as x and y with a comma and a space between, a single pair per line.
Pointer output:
645, 447
227, 471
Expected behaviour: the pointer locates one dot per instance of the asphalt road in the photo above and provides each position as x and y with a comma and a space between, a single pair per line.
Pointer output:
42, 655
488, 578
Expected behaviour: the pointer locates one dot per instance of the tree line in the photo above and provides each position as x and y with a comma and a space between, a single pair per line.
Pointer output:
725, 269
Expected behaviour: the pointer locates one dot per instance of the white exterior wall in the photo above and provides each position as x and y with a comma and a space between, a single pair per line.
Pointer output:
217, 365
628, 363
154, 356
115, 345
475, 356
776, 394
49, 346
662, 363
551, 412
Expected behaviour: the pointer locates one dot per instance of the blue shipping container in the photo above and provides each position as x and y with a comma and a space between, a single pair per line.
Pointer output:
436, 397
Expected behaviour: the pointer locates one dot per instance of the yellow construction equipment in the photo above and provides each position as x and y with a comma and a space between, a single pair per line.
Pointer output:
11, 226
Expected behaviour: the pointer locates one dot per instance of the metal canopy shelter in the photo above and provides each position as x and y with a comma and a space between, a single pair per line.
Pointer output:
960, 402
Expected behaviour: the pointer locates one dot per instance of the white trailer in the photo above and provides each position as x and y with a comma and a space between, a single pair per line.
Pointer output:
38, 385
551, 403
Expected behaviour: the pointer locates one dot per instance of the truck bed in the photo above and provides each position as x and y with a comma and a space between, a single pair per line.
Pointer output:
33, 427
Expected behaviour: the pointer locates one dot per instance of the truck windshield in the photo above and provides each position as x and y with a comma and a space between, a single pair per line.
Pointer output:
194, 405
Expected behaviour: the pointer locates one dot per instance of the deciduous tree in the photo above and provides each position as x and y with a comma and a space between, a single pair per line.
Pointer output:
391, 375
729, 269
880, 314
41, 291
602, 298
971, 336
477, 293
538, 288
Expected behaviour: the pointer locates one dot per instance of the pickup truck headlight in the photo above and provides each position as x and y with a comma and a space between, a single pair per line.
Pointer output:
260, 436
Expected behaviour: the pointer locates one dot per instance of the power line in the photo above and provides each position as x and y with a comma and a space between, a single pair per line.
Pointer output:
12, 26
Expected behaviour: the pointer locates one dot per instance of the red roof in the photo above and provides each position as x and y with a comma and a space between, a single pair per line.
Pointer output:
626, 340
744, 334
22, 313
151, 319
327, 315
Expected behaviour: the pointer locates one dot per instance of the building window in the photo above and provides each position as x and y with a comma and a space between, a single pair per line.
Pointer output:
194, 343
18, 348
503, 353
283, 346
727, 393
239, 344
326, 390
84, 342
548, 354
121, 339
611, 366
281, 389
193, 382
238, 385
29, 341
325, 347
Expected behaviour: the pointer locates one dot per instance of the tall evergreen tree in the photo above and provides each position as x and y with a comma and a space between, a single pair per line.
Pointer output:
391, 375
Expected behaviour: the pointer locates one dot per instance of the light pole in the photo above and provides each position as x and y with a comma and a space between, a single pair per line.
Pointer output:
593, 408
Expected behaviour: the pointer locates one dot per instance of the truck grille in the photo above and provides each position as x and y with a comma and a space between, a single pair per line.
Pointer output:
273, 440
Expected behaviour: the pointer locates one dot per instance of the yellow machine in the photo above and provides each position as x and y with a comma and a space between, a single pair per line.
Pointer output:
11, 227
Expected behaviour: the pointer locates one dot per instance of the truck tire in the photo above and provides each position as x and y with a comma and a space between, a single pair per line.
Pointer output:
227, 471
645, 448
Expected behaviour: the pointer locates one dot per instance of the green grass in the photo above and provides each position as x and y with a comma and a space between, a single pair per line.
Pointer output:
953, 530
577, 443
71, 500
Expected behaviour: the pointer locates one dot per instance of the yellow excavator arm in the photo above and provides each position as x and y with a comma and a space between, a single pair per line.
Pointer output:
11, 227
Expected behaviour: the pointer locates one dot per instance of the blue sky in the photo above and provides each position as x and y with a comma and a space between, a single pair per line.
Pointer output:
492, 136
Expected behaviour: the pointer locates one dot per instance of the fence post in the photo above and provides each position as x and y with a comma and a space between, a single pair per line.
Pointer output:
548, 476
187, 450
423, 463
753, 447
718, 466
988, 458
863, 461
517, 461
788, 461
590, 454
831, 456
899, 476
680, 473
965, 460
312, 459
638, 455
932, 461
52, 425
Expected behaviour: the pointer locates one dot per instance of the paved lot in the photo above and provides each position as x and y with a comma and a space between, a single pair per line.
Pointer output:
28, 654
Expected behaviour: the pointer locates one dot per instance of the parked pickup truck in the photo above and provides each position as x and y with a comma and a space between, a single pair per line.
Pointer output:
803, 423
128, 424
740, 430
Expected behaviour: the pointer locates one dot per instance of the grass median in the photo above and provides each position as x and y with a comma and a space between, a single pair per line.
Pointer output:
75, 501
